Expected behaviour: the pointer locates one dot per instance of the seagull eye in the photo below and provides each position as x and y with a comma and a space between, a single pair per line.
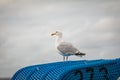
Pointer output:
56, 31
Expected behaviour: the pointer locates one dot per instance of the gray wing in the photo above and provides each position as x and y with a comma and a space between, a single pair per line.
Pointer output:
65, 47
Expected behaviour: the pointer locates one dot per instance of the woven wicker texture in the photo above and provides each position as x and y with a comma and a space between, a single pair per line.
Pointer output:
72, 70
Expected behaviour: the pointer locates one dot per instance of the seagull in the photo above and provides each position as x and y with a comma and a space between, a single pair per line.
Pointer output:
65, 48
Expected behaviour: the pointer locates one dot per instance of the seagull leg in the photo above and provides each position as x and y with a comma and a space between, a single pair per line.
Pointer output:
63, 58
66, 58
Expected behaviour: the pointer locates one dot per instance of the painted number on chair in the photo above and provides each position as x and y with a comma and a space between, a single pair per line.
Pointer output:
91, 71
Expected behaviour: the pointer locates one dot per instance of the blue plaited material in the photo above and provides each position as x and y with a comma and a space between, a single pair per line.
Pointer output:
72, 70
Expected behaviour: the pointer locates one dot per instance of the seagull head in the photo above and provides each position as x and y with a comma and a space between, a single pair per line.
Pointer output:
57, 33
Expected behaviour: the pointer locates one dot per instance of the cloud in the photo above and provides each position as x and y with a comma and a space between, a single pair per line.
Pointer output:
108, 24
4, 3
25, 27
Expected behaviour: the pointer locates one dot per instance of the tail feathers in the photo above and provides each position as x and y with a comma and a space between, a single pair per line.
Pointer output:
80, 54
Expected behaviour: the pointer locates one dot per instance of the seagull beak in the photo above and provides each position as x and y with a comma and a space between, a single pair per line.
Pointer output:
52, 34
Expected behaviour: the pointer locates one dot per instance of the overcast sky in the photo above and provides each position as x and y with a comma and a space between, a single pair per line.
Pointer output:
93, 26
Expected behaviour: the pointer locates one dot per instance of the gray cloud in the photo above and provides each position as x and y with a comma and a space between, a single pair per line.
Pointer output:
25, 27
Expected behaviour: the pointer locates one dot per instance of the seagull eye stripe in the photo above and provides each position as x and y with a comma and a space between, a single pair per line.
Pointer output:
56, 31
